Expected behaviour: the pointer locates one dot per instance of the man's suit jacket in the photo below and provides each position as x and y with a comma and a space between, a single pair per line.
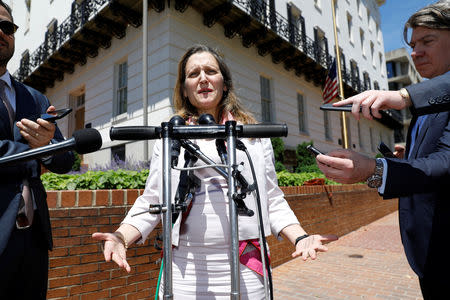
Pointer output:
29, 102
423, 184
430, 96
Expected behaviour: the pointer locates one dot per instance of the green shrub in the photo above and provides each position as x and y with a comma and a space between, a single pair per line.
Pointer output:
77, 162
308, 169
93, 180
295, 179
304, 157
279, 166
278, 149
278, 152
124, 179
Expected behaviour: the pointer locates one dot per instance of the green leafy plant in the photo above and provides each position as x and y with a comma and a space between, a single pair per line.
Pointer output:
304, 157
126, 179
295, 179
77, 162
278, 151
93, 180
308, 169
278, 148
279, 166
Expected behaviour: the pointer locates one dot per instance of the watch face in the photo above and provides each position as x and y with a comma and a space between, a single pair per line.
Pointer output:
374, 181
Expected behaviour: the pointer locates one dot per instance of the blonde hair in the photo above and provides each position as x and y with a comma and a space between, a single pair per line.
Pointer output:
229, 102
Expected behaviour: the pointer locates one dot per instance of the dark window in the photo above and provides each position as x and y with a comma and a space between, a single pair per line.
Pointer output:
376, 85
121, 87
301, 114
393, 86
390, 66
367, 85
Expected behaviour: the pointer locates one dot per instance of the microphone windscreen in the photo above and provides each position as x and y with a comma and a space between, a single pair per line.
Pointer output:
206, 119
177, 120
87, 140
263, 130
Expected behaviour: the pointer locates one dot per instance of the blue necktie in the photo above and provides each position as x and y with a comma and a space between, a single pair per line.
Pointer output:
415, 132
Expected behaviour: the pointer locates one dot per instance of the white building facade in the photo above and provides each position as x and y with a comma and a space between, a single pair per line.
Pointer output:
88, 56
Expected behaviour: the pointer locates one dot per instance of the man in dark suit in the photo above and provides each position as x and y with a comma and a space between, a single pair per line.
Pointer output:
25, 231
422, 180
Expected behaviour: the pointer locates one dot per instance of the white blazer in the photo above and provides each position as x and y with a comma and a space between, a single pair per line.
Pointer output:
275, 210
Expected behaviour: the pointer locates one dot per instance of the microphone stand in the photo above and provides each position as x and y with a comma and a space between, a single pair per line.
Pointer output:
167, 131
230, 130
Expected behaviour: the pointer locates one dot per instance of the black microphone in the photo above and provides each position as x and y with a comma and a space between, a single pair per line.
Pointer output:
262, 130
222, 150
126, 133
139, 133
83, 141
207, 119
176, 145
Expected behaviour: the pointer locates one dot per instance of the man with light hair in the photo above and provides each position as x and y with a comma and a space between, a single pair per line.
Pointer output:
421, 180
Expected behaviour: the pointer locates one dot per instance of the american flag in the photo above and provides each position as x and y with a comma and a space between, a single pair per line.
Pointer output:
330, 90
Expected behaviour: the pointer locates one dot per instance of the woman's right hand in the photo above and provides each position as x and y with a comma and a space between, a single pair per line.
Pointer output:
113, 249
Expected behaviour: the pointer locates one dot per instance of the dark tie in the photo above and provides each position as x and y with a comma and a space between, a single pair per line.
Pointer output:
415, 132
25, 214
8, 106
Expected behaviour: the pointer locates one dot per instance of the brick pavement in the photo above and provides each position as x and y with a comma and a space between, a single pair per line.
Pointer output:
368, 263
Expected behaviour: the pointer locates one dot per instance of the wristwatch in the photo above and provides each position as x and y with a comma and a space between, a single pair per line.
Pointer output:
405, 96
376, 179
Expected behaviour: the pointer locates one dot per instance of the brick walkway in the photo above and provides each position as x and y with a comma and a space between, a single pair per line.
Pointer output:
368, 263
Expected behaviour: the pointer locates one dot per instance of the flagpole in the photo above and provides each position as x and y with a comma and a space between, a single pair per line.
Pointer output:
339, 74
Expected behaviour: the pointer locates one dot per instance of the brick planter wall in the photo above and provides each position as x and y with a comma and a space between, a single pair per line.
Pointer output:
77, 266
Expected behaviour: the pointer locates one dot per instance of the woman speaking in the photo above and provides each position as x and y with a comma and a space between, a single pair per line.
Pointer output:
201, 238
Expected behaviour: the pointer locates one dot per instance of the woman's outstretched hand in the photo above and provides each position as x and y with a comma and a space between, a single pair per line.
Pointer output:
308, 247
114, 249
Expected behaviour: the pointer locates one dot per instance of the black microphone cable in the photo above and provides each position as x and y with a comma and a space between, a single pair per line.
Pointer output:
240, 146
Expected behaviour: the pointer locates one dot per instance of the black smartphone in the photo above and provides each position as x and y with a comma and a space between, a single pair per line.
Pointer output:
58, 114
329, 106
313, 150
385, 150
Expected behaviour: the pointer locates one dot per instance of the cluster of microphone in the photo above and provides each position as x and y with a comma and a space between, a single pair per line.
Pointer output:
193, 151
89, 139
205, 119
